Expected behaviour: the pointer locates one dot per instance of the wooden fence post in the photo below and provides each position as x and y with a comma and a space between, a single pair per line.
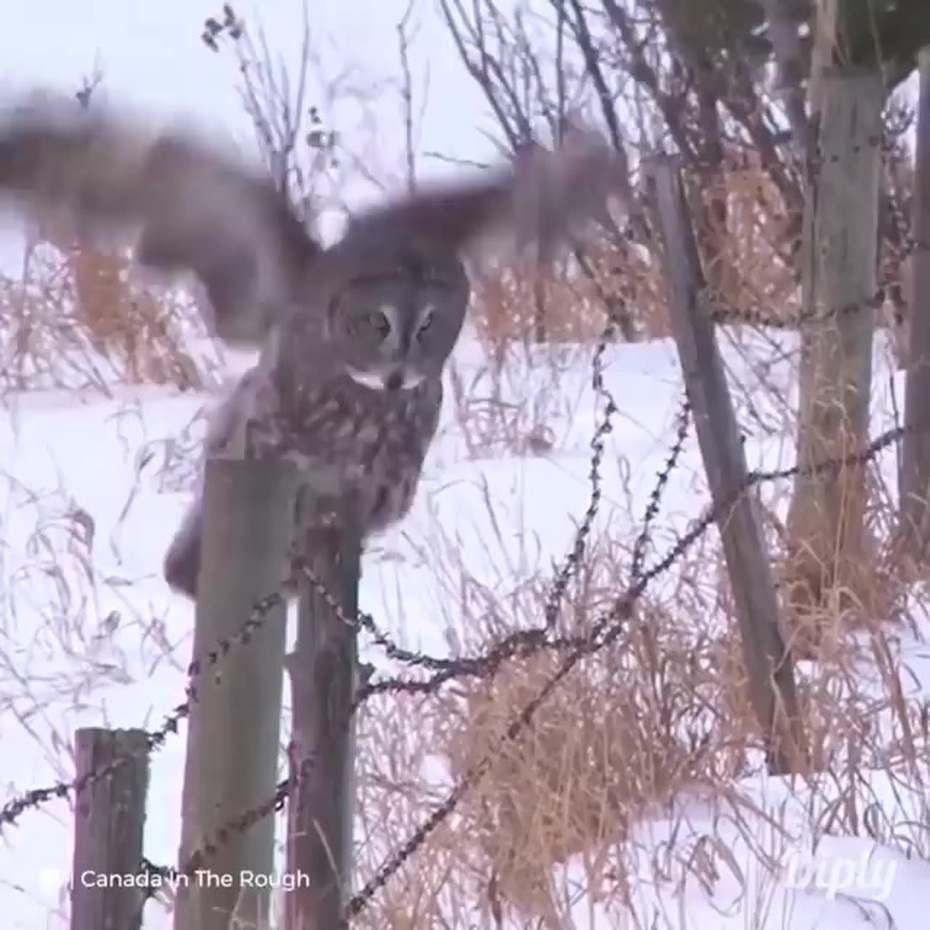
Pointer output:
768, 663
826, 516
109, 820
323, 675
915, 453
234, 727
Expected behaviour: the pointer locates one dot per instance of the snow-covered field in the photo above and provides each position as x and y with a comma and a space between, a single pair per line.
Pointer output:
91, 492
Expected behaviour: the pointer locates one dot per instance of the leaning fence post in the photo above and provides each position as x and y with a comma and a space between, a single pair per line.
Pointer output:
109, 820
322, 669
768, 662
233, 733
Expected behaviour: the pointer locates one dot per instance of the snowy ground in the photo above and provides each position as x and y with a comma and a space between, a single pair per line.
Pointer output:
92, 489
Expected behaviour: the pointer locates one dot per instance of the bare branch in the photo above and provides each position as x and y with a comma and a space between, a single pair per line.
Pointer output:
406, 93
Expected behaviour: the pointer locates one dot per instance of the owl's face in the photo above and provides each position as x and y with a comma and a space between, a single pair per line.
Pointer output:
394, 323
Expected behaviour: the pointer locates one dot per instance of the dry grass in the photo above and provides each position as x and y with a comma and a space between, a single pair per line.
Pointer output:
610, 747
661, 717
635, 731
512, 400
745, 270
78, 318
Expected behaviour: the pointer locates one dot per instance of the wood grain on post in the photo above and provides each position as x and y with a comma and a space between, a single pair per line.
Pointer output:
109, 821
915, 466
826, 516
233, 734
771, 677
323, 673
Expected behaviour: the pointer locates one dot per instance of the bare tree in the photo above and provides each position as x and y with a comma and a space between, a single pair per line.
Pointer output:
293, 141
692, 78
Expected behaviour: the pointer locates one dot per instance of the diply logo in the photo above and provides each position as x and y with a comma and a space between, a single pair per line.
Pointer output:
870, 875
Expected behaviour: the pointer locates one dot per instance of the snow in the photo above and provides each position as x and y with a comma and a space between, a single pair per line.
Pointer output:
92, 486
90, 635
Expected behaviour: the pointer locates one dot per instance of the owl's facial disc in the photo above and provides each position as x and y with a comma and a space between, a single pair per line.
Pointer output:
394, 334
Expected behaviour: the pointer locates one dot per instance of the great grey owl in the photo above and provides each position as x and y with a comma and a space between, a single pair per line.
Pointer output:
353, 337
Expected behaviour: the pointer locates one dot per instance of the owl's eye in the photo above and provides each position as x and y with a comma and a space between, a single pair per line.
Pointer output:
425, 323
376, 320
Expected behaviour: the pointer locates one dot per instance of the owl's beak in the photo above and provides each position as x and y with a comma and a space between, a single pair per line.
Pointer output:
396, 379
402, 379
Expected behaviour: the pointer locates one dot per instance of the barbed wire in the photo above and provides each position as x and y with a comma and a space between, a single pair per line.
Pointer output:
604, 632
155, 739
683, 420
528, 642
519, 644
609, 626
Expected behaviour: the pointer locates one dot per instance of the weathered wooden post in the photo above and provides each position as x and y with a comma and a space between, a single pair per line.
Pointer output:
234, 726
915, 454
109, 821
826, 517
322, 670
768, 662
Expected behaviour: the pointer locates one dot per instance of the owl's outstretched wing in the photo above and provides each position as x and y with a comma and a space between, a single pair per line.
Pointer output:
193, 208
538, 198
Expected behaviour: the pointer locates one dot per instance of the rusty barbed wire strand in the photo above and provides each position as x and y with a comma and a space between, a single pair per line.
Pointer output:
598, 447
520, 644
155, 739
491, 661
682, 422
606, 630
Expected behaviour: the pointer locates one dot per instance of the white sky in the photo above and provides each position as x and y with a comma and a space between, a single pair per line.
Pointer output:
152, 58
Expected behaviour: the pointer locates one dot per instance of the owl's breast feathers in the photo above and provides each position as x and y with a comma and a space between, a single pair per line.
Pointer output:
373, 442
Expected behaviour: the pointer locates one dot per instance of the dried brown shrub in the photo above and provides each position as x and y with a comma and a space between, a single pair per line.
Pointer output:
743, 258
129, 321
624, 734
79, 317
594, 760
